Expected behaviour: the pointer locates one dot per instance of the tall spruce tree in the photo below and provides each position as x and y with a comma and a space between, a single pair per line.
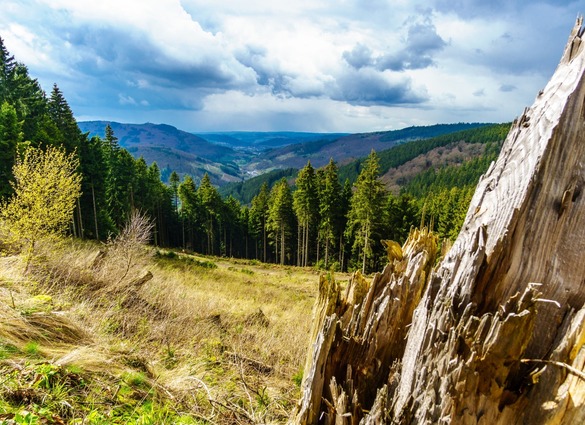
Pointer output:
259, 218
62, 116
210, 201
280, 218
174, 180
7, 65
366, 212
329, 208
191, 211
306, 208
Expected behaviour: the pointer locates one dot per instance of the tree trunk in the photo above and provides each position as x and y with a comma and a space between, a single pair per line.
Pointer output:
282, 244
299, 245
495, 334
326, 251
95, 219
264, 240
365, 248
79, 218
306, 250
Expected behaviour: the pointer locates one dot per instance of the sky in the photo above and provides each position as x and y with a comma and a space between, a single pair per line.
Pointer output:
291, 65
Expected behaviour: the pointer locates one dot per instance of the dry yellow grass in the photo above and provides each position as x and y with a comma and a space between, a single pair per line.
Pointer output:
227, 344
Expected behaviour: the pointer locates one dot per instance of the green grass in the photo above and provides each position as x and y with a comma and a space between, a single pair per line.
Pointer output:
170, 351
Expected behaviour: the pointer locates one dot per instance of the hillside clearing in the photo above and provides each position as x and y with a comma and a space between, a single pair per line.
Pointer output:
205, 339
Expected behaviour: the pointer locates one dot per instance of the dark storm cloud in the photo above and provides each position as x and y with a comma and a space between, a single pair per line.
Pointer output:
368, 87
109, 50
135, 72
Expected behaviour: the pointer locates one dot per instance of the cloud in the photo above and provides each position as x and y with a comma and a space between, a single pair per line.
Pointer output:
174, 60
506, 88
420, 44
360, 56
369, 87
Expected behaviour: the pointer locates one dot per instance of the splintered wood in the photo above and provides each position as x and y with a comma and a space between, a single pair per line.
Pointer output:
494, 333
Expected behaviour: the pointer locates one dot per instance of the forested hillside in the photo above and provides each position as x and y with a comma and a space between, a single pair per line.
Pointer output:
174, 150
330, 217
350, 147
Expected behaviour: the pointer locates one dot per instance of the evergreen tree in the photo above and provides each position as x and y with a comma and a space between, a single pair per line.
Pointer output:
329, 207
7, 65
157, 202
10, 137
174, 181
259, 218
29, 99
366, 211
232, 227
305, 205
191, 211
94, 170
120, 176
345, 204
210, 201
280, 218
62, 116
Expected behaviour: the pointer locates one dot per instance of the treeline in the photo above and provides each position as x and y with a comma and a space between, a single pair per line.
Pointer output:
318, 222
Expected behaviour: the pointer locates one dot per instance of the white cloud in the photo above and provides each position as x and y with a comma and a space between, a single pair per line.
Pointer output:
332, 66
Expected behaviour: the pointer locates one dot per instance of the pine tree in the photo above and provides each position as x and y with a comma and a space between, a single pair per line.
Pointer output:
259, 218
10, 137
156, 190
62, 115
191, 211
329, 207
7, 65
231, 224
210, 201
280, 218
367, 203
305, 205
29, 99
94, 169
119, 180
174, 181
345, 204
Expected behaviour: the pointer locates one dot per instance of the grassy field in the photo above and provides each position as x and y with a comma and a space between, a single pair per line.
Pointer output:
96, 334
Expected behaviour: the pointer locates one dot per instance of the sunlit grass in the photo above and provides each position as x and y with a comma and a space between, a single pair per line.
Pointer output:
218, 337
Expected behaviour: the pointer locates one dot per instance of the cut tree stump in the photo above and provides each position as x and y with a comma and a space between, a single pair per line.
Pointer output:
495, 333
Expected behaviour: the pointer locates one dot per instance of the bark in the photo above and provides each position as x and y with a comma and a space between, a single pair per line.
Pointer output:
498, 332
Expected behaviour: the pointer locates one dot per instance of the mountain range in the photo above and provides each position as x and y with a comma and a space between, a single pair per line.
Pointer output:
236, 156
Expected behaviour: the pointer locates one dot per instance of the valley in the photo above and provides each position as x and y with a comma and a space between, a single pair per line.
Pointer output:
235, 156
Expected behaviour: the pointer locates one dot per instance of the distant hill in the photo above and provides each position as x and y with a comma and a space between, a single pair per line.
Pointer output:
259, 141
403, 153
350, 147
174, 149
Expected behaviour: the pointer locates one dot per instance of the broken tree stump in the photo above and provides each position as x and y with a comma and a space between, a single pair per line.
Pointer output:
495, 333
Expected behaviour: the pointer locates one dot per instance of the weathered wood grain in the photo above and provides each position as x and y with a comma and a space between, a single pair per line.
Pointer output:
495, 333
